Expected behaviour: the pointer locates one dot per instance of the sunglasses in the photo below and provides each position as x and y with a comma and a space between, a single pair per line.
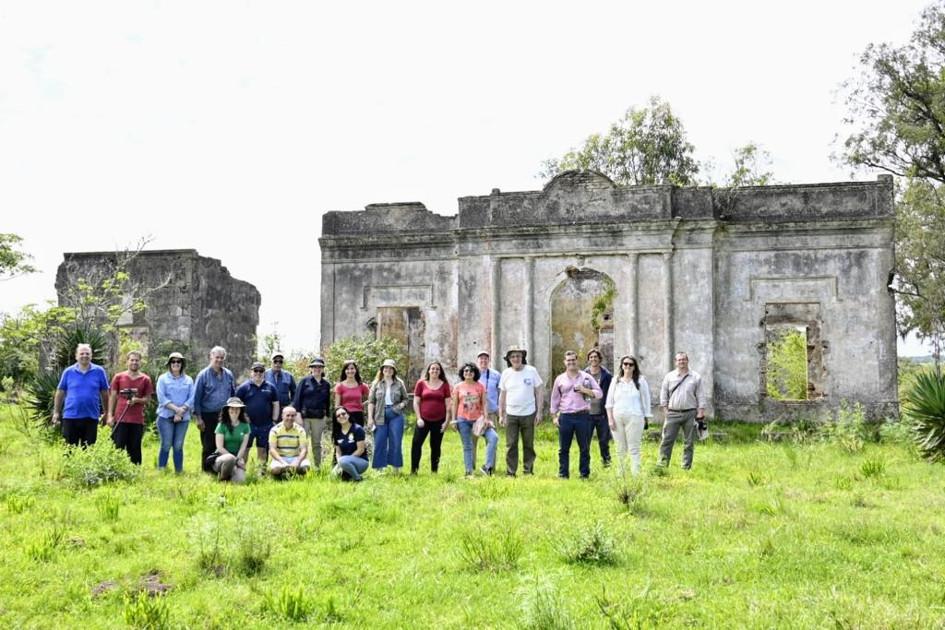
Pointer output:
177, 361
259, 371
629, 364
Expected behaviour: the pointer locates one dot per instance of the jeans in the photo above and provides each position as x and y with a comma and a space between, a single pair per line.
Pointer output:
675, 420
435, 430
466, 435
127, 437
353, 465
600, 424
208, 437
388, 437
515, 426
572, 425
172, 436
628, 434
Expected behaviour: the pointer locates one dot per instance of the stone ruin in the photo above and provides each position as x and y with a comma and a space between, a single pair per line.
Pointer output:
192, 303
643, 270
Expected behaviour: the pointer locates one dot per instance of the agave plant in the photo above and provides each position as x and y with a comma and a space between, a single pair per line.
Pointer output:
925, 407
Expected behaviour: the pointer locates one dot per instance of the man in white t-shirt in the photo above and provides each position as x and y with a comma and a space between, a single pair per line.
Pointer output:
520, 403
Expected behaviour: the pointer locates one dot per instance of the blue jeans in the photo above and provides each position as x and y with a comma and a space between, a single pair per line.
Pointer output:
572, 425
353, 465
466, 435
387, 440
172, 435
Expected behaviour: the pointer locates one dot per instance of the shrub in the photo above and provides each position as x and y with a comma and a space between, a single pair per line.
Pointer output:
482, 553
542, 607
146, 612
925, 409
592, 545
98, 464
631, 493
368, 352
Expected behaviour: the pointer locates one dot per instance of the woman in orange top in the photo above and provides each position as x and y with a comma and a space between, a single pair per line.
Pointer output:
469, 405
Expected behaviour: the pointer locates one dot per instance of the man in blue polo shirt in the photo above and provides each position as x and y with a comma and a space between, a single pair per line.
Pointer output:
262, 407
212, 388
83, 388
281, 380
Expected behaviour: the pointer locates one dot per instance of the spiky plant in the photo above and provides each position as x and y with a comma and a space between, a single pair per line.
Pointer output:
925, 407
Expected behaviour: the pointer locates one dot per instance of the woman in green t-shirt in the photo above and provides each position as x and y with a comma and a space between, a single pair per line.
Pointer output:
232, 436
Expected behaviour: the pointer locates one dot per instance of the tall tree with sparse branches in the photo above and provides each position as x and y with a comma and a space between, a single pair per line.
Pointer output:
896, 123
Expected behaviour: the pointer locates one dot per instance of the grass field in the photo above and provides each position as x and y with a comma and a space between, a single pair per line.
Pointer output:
756, 535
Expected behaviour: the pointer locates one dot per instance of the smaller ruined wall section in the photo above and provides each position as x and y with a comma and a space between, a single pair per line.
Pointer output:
192, 302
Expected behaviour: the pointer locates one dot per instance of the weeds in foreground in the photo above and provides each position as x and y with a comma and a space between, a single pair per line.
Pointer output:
146, 612
44, 549
108, 505
541, 606
483, 554
640, 611
849, 431
98, 464
222, 546
19, 503
873, 467
631, 494
292, 605
593, 545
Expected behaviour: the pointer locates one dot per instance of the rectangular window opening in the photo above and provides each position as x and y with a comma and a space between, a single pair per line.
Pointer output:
787, 362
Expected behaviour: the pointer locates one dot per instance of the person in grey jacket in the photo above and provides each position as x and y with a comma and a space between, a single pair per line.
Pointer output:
386, 417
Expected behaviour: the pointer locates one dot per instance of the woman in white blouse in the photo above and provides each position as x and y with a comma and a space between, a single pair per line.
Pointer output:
628, 407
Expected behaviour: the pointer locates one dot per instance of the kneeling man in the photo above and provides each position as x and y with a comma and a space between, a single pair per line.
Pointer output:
288, 446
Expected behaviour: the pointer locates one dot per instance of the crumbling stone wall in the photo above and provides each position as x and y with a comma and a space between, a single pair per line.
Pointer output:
198, 305
695, 269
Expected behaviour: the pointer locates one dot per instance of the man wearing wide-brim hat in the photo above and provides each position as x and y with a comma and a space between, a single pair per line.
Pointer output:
520, 405
312, 401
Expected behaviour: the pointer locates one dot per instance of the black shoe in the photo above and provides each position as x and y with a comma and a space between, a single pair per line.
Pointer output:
486, 471
607, 463
509, 473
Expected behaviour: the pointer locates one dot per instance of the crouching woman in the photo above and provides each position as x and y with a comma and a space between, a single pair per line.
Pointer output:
350, 447
232, 437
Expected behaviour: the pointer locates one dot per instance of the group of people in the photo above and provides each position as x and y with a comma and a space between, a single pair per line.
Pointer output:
287, 420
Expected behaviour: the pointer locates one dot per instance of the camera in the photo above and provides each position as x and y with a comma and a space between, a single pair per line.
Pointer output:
128, 393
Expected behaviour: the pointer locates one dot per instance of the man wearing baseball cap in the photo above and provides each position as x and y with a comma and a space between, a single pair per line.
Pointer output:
281, 380
262, 407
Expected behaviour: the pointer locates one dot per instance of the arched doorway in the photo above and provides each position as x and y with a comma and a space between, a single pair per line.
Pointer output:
582, 316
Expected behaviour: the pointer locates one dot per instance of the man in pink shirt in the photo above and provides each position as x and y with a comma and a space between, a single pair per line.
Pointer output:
570, 396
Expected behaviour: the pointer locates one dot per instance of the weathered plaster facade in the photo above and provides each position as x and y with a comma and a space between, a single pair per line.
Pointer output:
198, 305
702, 270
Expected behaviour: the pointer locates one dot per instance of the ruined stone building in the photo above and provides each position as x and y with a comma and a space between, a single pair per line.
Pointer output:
643, 270
192, 303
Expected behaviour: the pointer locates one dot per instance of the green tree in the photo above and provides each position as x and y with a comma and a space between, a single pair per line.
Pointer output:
367, 352
647, 146
750, 169
896, 123
13, 260
787, 366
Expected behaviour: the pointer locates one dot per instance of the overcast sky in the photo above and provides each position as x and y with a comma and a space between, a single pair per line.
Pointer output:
230, 127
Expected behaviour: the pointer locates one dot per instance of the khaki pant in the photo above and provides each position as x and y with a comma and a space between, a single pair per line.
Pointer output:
524, 426
675, 420
315, 428
628, 434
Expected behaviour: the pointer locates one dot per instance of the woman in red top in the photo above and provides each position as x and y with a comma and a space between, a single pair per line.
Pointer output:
429, 403
350, 393
469, 405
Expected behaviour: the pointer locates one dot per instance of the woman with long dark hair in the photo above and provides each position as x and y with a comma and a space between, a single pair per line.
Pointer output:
628, 407
232, 436
350, 393
350, 448
430, 396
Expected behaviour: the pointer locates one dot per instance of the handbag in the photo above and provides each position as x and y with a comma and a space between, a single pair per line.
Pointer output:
480, 425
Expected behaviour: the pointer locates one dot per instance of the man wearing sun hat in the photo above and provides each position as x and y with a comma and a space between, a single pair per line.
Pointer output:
313, 401
520, 406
